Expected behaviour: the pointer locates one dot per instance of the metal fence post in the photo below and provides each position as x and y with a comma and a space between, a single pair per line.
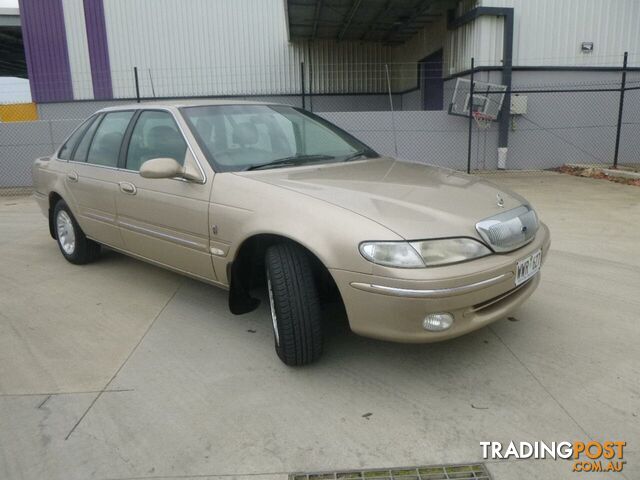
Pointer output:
302, 84
470, 117
53, 145
620, 109
135, 75
310, 85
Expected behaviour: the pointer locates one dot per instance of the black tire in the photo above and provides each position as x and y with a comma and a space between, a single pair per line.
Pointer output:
84, 250
295, 305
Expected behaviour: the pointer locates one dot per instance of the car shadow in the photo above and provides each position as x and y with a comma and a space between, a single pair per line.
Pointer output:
342, 346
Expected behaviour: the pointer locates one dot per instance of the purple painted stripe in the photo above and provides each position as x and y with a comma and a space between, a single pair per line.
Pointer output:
45, 44
98, 49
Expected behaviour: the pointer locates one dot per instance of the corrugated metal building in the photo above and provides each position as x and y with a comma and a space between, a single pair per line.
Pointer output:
87, 49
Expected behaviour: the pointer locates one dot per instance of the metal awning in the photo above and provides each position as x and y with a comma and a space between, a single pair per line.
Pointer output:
12, 59
387, 21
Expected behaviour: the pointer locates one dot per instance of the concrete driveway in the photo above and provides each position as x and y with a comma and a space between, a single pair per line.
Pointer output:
121, 370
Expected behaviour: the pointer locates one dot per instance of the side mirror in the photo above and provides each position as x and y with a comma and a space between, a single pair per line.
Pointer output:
165, 167
162, 168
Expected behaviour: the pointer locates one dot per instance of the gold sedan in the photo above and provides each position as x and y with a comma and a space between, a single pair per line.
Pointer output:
241, 194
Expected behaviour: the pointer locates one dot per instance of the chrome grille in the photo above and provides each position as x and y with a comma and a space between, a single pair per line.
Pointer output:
509, 230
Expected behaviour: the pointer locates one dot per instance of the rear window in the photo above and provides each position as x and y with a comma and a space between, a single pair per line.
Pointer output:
105, 146
67, 149
80, 153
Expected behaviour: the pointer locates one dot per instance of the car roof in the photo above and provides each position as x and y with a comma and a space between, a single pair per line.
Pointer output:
184, 103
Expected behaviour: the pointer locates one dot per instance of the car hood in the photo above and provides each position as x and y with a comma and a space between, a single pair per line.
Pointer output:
415, 201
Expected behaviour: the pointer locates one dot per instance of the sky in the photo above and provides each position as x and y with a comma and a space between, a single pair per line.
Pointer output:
9, 3
14, 90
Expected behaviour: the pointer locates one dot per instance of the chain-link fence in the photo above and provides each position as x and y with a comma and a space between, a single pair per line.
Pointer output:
576, 127
555, 119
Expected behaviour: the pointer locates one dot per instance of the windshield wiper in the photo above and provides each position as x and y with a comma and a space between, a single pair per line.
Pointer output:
355, 155
287, 161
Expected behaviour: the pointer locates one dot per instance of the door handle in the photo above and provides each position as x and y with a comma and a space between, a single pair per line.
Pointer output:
72, 176
128, 188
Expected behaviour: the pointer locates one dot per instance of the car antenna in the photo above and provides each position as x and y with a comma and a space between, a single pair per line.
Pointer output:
153, 90
393, 115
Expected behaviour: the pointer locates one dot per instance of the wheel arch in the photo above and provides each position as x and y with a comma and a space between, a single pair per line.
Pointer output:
246, 270
54, 198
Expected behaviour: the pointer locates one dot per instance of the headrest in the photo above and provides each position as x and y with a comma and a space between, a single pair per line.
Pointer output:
245, 133
110, 141
204, 128
163, 134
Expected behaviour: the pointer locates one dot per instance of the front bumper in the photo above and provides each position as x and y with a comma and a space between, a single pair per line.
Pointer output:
393, 308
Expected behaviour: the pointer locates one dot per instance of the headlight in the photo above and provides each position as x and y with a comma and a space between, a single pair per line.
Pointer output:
391, 254
450, 250
425, 253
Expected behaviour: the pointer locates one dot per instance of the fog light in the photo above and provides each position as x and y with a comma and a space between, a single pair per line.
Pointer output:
437, 322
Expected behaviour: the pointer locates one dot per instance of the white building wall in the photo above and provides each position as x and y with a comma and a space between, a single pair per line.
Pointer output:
546, 33
223, 47
241, 47
346, 67
427, 41
550, 32
475, 40
74, 24
471, 40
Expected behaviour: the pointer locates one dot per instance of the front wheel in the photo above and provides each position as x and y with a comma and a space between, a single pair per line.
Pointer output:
74, 245
295, 305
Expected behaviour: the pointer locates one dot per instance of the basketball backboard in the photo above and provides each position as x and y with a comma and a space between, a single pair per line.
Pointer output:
487, 98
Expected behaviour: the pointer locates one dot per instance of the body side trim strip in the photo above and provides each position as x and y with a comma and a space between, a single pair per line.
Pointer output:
429, 293
100, 218
210, 281
164, 236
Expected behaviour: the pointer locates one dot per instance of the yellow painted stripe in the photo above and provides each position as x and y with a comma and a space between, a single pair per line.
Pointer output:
18, 112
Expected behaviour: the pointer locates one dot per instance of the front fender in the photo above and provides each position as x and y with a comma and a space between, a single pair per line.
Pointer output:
242, 208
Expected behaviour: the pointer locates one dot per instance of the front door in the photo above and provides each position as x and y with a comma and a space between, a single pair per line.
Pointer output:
432, 84
92, 176
163, 220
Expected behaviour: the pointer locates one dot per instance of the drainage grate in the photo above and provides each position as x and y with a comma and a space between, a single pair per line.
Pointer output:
445, 472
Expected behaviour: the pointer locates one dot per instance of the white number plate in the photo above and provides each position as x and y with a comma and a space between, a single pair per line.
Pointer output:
528, 267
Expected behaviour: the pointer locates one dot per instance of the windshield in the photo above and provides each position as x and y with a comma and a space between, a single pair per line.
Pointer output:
242, 137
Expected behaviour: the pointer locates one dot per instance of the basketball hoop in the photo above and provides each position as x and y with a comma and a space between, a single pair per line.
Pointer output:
487, 98
483, 121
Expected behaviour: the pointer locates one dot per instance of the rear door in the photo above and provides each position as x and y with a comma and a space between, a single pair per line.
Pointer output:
163, 220
92, 176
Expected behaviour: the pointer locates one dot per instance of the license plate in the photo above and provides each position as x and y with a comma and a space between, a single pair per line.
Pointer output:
528, 267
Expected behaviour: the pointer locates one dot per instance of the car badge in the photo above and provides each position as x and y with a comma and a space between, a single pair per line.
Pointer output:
500, 200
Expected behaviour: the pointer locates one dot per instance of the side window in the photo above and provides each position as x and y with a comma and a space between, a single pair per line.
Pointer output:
156, 135
105, 146
318, 139
67, 149
80, 155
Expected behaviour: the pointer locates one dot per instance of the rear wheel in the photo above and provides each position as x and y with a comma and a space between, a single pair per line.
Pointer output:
295, 306
74, 245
